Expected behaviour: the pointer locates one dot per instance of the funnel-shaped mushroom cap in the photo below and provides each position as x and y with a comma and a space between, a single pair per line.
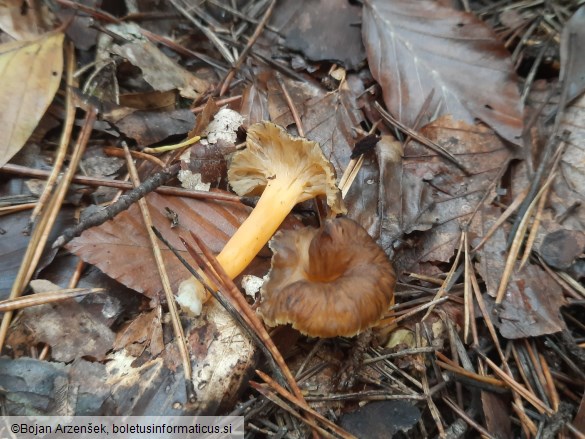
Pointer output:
328, 282
272, 153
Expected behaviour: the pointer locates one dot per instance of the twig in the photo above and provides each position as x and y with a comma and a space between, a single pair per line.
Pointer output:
280, 403
41, 232
5, 210
249, 44
122, 204
73, 281
182, 50
124, 185
446, 284
467, 418
502, 219
286, 394
519, 388
165, 148
416, 310
238, 14
291, 104
550, 384
403, 353
421, 139
160, 265
517, 242
539, 209
119, 152
46, 297
221, 47
219, 103
536, 179
65, 135
447, 364
425, 385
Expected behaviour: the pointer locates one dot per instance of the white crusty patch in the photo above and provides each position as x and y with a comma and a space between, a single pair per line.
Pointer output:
192, 181
224, 126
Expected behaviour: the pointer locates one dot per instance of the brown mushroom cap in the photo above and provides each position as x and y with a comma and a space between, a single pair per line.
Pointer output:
273, 153
328, 282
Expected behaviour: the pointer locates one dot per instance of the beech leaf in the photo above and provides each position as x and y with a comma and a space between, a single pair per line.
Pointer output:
30, 73
121, 247
414, 48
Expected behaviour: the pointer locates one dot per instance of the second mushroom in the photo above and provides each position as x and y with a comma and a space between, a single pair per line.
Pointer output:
327, 282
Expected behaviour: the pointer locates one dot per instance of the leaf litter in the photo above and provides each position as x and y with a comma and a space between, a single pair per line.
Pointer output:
447, 80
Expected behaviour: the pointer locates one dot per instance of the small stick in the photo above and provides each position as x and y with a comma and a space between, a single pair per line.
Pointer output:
160, 265
425, 385
65, 136
291, 104
95, 13
403, 353
217, 42
155, 38
447, 364
122, 204
41, 232
249, 44
16, 208
219, 103
539, 209
280, 403
469, 315
515, 385
46, 297
517, 242
466, 418
502, 219
119, 152
165, 148
550, 384
124, 185
286, 394
76, 274
444, 285
421, 139
416, 310
537, 177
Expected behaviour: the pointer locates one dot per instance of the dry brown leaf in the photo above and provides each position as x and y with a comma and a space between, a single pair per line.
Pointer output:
140, 334
68, 327
149, 127
533, 298
162, 73
254, 106
568, 191
572, 62
439, 198
323, 30
24, 23
414, 48
30, 74
531, 306
121, 247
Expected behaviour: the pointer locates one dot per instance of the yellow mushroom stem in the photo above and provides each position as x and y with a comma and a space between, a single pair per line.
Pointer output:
277, 201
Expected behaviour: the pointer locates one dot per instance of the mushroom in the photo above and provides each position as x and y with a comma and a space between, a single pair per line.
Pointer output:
286, 170
327, 282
